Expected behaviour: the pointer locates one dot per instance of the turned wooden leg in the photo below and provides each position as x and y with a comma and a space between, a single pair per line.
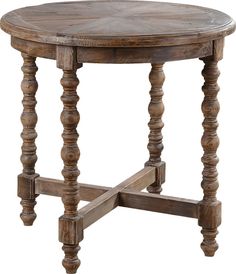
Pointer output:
210, 208
69, 223
156, 109
26, 180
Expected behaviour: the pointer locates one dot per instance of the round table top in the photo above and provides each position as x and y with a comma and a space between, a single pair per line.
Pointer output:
117, 24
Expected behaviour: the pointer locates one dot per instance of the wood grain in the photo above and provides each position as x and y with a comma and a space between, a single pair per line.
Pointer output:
29, 119
66, 58
34, 49
142, 54
117, 24
159, 203
110, 200
70, 154
156, 109
118, 32
118, 55
128, 197
55, 188
210, 210
218, 48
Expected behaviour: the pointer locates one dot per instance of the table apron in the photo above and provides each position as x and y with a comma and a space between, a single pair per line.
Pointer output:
143, 55
118, 55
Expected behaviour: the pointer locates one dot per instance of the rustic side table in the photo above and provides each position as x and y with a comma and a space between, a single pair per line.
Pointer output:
73, 33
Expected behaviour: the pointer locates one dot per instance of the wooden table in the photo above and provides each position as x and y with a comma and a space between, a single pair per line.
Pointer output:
73, 33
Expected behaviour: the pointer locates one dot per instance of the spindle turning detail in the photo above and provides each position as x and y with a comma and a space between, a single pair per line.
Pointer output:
114, 32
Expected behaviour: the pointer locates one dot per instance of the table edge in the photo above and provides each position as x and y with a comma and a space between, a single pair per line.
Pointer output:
118, 41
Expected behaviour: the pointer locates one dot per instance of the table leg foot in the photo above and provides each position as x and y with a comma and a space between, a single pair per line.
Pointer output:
28, 214
71, 261
209, 244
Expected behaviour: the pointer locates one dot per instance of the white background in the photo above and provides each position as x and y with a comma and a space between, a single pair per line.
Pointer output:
113, 137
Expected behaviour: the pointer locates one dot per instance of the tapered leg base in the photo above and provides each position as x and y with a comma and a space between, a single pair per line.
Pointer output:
28, 215
71, 261
209, 244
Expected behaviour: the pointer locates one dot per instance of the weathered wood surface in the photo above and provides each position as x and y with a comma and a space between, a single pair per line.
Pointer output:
130, 55
29, 86
210, 208
127, 198
117, 32
35, 49
55, 187
68, 225
117, 24
156, 109
110, 200
159, 203
126, 55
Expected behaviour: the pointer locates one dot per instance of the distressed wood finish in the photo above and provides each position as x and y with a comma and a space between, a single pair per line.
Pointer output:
117, 24
35, 48
110, 200
55, 188
156, 109
143, 55
70, 154
118, 55
124, 197
26, 180
210, 208
159, 203
120, 32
